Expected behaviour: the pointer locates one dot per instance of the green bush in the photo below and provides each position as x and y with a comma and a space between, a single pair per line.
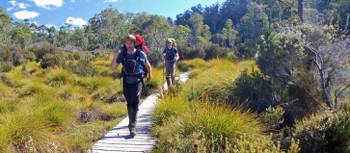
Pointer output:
5, 66
272, 117
52, 60
12, 56
185, 66
215, 51
82, 67
254, 90
325, 132
41, 49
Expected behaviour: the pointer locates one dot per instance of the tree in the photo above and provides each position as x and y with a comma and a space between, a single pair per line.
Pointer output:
157, 29
181, 34
184, 19
108, 28
309, 60
21, 34
200, 32
252, 25
212, 18
78, 38
52, 32
234, 10
63, 37
5, 27
229, 34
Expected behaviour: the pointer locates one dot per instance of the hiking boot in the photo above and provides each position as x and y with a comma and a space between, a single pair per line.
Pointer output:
132, 130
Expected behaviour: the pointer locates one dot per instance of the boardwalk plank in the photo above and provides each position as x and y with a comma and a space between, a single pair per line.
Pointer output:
118, 139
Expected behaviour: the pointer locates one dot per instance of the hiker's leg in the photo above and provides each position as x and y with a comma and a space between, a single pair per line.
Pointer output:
173, 73
168, 81
130, 96
168, 74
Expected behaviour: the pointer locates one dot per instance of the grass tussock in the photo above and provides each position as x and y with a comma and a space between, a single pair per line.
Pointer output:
187, 123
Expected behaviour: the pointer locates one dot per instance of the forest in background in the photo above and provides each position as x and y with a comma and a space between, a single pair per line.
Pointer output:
299, 87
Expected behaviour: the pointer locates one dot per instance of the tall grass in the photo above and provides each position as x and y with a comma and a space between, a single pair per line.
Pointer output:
189, 122
41, 110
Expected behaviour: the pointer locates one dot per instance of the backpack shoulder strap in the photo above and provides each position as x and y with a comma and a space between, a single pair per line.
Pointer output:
138, 56
124, 55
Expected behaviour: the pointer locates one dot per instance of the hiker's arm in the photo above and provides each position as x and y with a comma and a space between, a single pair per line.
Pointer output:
177, 56
149, 70
114, 64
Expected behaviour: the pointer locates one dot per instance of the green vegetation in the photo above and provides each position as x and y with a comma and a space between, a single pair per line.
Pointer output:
58, 109
266, 76
190, 121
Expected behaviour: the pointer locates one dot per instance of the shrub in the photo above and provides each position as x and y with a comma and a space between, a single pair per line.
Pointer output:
155, 57
272, 117
58, 77
255, 90
82, 67
41, 49
325, 132
215, 51
5, 66
31, 89
251, 143
12, 56
52, 60
190, 53
185, 66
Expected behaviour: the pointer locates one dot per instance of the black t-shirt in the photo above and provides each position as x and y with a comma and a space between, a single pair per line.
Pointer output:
170, 54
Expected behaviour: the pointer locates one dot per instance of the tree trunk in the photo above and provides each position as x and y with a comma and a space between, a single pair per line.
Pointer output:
301, 10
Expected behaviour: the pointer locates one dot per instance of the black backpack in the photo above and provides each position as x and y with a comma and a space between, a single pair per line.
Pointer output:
130, 65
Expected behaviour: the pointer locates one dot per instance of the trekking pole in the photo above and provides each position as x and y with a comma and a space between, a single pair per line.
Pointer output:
163, 84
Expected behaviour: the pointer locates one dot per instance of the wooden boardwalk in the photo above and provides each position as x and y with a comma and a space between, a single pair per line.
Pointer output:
118, 140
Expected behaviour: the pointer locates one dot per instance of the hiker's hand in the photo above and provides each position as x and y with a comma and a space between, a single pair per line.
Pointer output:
149, 78
116, 75
116, 50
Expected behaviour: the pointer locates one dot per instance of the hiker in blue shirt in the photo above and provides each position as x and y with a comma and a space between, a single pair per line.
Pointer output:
135, 67
171, 56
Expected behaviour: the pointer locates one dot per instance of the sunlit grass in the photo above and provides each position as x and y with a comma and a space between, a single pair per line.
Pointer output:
56, 110
183, 121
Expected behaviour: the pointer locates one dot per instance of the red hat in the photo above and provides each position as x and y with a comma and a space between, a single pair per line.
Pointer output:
139, 39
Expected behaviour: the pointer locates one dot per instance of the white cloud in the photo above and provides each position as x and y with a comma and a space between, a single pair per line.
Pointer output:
48, 3
79, 22
15, 4
21, 15
22, 5
110, 1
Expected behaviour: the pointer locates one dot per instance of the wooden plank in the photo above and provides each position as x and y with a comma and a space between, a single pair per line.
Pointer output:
118, 139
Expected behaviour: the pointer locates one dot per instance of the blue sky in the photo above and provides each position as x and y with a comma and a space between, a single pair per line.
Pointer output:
77, 12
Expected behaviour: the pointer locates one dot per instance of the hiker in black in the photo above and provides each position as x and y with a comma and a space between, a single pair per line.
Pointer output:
135, 67
171, 56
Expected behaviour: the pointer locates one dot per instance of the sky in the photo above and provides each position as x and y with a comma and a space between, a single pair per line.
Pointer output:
78, 12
